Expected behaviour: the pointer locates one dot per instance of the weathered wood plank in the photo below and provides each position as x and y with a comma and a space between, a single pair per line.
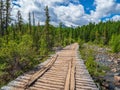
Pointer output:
67, 81
72, 82
41, 72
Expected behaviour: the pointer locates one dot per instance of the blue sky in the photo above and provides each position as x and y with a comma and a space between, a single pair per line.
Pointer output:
70, 12
88, 5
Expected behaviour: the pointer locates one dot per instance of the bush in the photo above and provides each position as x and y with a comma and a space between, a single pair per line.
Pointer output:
16, 57
93, 67
115, 43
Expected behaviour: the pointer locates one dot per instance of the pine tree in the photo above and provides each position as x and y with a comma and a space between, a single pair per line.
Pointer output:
33, 19
46, 29
29, 19
97, 37
105, 35
20, 21
7, 15
33, 24
60, 33
37, 37
14, 31
1, 18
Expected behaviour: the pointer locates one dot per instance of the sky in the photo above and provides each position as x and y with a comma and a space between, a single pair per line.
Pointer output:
69, 12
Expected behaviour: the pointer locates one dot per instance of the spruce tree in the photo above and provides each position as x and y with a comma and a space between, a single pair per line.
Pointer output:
46, 29
7, 15
1, 17
20, 21
33, 14
60, 33
30, 28
33, 19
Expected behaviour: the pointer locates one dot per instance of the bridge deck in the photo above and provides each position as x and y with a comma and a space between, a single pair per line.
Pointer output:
66, 72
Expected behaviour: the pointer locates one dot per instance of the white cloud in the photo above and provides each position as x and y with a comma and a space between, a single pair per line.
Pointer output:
104, 8
116, 18
48, 3
71, 14
26, 7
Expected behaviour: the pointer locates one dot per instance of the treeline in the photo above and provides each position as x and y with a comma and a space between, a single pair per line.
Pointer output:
107, 33
24, 45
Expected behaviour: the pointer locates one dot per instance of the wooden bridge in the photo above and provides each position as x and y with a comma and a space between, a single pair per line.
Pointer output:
63, 71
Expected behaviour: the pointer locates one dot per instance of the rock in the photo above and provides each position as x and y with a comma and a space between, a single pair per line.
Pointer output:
114, 70
117, 79
115, 61
109, 60
119, 62
105, 84
118, 59
111, 86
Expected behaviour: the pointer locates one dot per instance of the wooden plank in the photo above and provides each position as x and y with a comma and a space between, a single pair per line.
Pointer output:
40, 72
67, 81
51, 82
72, 82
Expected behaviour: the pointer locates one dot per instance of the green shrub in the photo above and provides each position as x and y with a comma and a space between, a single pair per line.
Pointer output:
115, 43
16, 57
94, 68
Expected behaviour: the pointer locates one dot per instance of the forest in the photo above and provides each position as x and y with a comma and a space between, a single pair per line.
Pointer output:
24, 45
